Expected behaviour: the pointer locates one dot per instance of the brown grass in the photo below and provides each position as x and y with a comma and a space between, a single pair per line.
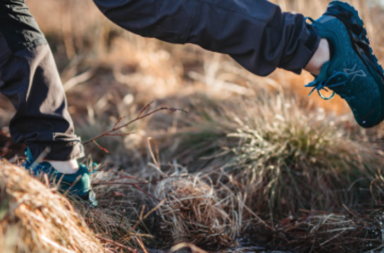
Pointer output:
318, 231
34, 218
194, 213
255, 156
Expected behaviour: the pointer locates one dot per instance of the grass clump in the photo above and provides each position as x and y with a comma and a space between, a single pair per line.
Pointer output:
319, 231
264, 168
34, 218
283, 155
194, 213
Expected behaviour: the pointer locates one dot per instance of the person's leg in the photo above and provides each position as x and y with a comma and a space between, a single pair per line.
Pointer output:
257, 34
260, 37
29, 78
321, 56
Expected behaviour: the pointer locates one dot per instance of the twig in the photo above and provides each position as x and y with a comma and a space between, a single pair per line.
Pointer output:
117, 244
118, 122
122, 217
144, 109
258, 218
100, 147
136, 183
40, 158
119, 183
140, 242
157, 158
349, 211
334, 237
139, 117
192, 247
79, 79
147, 193
147, 215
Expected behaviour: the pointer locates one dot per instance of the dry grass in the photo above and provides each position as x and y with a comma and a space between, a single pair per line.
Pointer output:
34, 218
274, 148
254, 157
194, 213
119, 215
332, 232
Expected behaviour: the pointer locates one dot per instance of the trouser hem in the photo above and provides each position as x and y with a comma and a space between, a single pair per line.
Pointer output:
305, 52
58, 151
312, 43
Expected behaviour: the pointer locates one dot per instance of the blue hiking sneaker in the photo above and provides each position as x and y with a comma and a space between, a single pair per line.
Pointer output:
353, 71
78, 184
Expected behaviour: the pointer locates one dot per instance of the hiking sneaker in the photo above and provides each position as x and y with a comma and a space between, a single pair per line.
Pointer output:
353, 71
77, 185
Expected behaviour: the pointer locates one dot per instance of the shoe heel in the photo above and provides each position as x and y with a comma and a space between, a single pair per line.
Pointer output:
358, 34
339, 10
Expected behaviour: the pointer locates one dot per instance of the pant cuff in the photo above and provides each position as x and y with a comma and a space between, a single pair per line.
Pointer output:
305, 51
312, 44
58, 151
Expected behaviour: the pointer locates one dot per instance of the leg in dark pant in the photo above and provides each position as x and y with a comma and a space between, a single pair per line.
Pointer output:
256, 33
29, 78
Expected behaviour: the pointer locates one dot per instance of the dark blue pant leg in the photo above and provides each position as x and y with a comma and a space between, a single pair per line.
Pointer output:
29, 78
254, 32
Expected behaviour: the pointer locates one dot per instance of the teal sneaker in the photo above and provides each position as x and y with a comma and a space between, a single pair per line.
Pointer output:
353, 71
78, 184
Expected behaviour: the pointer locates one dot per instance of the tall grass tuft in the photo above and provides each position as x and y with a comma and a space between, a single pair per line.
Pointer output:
33, 218
284, 155
193, 212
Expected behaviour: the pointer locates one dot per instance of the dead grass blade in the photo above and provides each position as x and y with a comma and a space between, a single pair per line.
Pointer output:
43, 219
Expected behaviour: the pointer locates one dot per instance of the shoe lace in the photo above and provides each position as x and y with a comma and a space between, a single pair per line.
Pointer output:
95, 167
336, 79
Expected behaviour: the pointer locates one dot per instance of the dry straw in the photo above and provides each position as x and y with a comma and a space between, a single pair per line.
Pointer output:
34, 218
274, 147
318, 231
194, 213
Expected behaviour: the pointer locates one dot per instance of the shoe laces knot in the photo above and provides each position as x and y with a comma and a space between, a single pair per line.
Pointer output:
338, 78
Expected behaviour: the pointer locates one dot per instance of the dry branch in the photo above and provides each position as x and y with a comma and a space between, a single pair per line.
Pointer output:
140, 116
